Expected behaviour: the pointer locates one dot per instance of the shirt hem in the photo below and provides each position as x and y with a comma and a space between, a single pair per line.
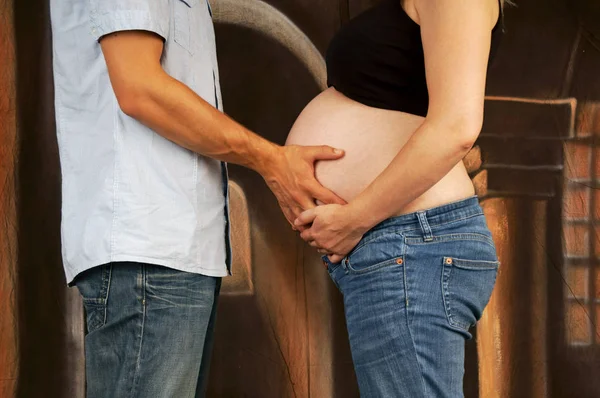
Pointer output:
216, 273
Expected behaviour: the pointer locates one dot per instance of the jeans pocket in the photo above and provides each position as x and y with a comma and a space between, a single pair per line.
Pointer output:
467, 286
377, 252
94, 286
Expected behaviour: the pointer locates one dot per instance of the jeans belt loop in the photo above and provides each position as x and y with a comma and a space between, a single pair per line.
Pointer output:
425, 228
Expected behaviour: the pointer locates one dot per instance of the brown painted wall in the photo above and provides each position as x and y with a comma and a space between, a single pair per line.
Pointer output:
281, 331
8, 321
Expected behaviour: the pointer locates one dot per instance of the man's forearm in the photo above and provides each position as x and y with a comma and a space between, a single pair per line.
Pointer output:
173, 110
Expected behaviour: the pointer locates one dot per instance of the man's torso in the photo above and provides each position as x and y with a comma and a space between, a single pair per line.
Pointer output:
128, 193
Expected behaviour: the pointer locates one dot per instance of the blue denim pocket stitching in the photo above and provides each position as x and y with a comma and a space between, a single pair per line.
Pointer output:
474, 236
475, 264
466, 265
363, 243
375, 267
94, 304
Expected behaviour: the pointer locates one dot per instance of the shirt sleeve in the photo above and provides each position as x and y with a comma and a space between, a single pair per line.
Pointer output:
109, 16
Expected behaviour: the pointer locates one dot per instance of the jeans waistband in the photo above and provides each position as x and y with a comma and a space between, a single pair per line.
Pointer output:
426, 219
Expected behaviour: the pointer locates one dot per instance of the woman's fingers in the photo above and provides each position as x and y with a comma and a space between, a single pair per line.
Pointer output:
307, 235
335, 258
307, 217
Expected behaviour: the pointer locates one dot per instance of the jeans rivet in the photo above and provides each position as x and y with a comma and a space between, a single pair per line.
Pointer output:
448, 261
399, 261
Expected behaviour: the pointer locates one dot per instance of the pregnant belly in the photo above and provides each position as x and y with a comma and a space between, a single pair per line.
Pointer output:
371, 138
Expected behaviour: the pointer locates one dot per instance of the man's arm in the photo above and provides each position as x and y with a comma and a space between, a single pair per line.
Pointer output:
148, 94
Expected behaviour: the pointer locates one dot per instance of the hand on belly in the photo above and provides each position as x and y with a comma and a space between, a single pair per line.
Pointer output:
370, 137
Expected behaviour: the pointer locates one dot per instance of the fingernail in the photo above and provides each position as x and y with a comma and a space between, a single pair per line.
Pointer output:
338, 151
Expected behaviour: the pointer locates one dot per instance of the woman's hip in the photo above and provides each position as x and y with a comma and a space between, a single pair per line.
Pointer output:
441, 261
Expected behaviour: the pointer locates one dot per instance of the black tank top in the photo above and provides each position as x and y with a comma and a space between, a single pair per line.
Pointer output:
377, 59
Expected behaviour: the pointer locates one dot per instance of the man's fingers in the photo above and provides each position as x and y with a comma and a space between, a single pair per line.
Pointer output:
296, 211
325, 196
306, 218
289, 215
305, 202
325, 152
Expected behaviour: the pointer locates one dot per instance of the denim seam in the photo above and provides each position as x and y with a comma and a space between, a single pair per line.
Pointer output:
364, 242
445, 291
139, 354
472, 264
372, 268
455, 220
407, 309
108, 283
399, 230
474, 236
433, 224
405, 284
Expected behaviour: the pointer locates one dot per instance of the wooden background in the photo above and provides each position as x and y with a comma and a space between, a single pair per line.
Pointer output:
280, 329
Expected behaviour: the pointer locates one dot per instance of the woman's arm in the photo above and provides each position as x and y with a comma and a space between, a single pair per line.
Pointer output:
456, 37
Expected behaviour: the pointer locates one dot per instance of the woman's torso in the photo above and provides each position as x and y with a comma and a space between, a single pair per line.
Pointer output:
373, 134
371, 138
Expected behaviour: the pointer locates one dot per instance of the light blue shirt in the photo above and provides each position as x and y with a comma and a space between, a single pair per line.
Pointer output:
128, 194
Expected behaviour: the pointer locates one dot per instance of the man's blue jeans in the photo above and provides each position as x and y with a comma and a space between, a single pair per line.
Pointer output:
149, 330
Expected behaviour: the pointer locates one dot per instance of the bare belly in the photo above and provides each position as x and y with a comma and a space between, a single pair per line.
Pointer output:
371, 138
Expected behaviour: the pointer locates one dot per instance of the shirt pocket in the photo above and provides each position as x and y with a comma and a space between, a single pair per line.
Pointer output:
184, 21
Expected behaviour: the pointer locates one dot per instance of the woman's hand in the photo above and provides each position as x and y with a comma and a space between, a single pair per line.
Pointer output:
334, 230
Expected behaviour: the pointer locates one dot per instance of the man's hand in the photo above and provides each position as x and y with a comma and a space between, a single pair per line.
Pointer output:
147, 93
292, 179
334, 230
